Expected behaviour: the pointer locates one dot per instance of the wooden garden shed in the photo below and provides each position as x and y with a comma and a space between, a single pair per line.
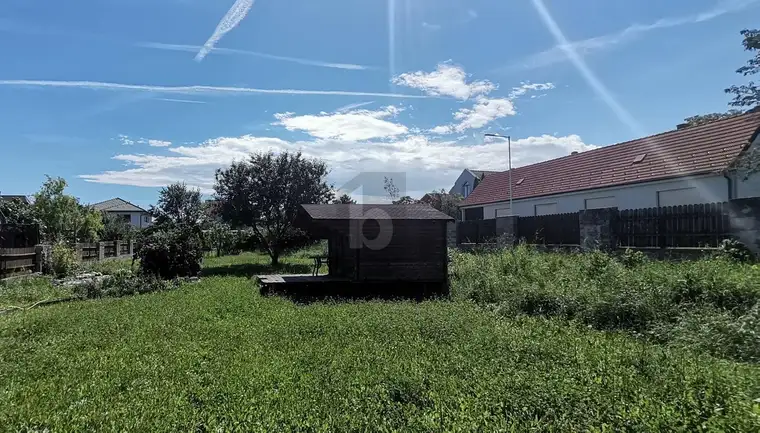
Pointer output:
380, 244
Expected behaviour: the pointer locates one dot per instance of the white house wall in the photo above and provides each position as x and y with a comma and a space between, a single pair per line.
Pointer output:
135, 218
709, 189
465, 177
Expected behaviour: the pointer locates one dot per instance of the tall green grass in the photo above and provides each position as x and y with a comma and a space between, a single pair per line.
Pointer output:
216, 356
710, 304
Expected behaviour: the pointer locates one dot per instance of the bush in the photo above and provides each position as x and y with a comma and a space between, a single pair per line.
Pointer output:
631, 293
64, 260
171, 251
735, 250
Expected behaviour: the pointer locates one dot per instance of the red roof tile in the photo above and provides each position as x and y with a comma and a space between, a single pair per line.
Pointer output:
708, 148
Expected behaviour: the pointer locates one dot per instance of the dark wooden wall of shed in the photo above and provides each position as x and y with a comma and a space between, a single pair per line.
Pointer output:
416, 251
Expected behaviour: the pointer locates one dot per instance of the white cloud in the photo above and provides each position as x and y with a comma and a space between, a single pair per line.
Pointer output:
231, 19
557, 54
181, 101
232, 51
159, 143
529, 87
128, 141
446, 80
486, 110
192, 90
472, 13
427, 164
482, 113
354, 125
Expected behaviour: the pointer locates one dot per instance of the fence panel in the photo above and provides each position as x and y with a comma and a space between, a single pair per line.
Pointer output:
684, 226
89, 251
123, 248
556, 229
17, 259
476, 232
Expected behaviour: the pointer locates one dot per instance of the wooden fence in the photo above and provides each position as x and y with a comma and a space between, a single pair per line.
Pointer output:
476, 232
702, 225
557, 229
13, 260
17, 259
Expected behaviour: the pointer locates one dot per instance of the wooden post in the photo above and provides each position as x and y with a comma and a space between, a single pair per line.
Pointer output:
101, 250
131, 248
38, 258
116, 248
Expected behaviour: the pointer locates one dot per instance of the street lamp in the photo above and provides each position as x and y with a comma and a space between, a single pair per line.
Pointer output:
509, 150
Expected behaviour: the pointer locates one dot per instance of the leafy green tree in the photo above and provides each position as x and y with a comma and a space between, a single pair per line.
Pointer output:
702, 119
16, 212
62, 217
444, 202
748, 95
265, 193
344, 199
116, 228
179, 204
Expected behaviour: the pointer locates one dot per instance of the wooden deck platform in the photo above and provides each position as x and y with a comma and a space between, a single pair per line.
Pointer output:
299, 279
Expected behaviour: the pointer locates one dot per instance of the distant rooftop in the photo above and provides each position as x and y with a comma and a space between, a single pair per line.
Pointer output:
117, 205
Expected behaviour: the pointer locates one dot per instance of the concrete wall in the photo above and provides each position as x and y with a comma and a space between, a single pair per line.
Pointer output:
704, 189
137, 219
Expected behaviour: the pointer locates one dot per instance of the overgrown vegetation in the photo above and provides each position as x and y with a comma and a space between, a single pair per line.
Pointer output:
709, 304
216, 356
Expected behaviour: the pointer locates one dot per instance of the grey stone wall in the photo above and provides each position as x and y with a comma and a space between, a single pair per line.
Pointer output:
451, 234
597, 228
745, 222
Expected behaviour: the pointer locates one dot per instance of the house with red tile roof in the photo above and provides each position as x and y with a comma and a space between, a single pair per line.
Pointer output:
689, 165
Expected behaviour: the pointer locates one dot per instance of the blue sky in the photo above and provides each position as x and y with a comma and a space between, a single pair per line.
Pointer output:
120, 96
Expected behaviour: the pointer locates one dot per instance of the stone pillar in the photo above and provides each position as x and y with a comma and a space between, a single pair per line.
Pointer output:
131, 248
506, 231
116, 248
43, 258
451, 234
78, 250
598, 229
101, 250
745, 222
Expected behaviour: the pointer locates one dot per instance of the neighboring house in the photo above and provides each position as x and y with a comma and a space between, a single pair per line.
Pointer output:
468, 181
7, 197
136, 215
685, 166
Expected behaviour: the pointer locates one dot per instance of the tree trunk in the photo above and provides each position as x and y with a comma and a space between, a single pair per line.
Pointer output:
275, 259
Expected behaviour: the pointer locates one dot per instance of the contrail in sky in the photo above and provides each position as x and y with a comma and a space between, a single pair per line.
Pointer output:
237, 12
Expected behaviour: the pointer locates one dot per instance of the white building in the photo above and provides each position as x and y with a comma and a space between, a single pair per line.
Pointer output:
136, 215
689, 165
468, 180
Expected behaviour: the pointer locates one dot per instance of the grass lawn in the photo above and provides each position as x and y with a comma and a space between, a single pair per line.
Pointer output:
217, 356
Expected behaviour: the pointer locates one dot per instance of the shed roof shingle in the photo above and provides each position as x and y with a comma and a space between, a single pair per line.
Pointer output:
117, 205
708, 148
373, 211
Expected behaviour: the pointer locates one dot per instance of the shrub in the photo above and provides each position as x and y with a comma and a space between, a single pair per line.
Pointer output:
632, 259
735, 250
64, 260
170, 251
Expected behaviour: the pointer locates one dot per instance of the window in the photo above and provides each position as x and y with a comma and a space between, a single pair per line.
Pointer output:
146, 219
465, 189
546, 209
502, 212
127, 218
679, 196
473, 214
600, 202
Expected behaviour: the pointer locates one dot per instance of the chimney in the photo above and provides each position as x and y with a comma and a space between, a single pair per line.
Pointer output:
575, 152
682, 126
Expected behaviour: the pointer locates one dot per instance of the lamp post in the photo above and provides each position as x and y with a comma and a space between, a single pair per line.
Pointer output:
509, 150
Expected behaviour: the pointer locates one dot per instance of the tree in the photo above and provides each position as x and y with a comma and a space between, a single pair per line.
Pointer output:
405, 200
265, 193
115, 228
179, 204
702, 119
62, 217
444, 202
16, 212
390, 188
344, 199
748, 95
